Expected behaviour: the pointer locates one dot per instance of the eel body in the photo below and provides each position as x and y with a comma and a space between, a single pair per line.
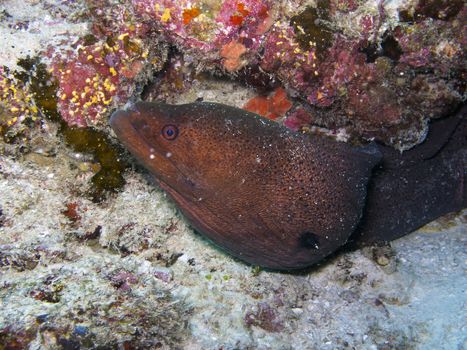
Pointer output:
411, 189
280, 199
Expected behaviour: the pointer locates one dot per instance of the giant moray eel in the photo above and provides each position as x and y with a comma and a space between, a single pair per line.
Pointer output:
285, 200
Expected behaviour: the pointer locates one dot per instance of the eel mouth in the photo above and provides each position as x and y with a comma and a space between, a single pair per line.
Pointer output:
123, 124
127, 133
120, 122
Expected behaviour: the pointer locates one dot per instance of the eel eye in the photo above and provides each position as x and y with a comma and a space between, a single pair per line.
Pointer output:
169, 132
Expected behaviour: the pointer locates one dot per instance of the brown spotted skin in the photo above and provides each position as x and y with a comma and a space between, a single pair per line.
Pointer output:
265, 194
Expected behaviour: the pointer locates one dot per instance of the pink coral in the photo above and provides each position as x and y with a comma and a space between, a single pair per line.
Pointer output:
298, 119
208, 26
248, 19
123, 280
171, 17
93, 77
284, 56
272, 107
232, 52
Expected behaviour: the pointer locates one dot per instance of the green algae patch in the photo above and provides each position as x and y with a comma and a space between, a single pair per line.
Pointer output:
109, 178
311, 28
41, 85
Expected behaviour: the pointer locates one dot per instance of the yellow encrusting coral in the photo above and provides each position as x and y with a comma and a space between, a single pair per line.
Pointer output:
16, 103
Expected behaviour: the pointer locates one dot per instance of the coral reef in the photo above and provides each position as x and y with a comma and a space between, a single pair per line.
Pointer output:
380, 84
106, 298
382, 72
103, 68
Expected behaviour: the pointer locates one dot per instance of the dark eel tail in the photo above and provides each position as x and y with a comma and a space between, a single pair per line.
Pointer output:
411, 189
